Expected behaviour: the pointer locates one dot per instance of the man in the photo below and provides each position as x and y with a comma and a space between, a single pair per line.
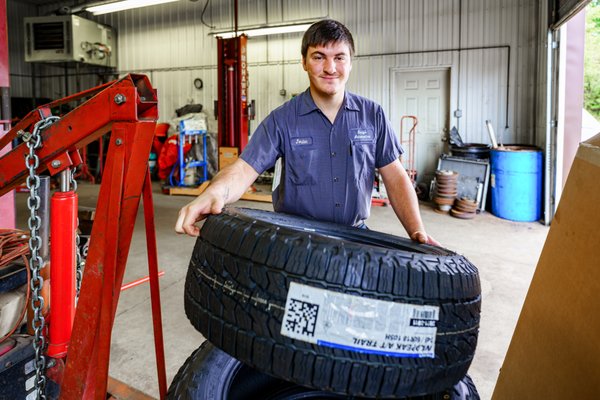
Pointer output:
330, 142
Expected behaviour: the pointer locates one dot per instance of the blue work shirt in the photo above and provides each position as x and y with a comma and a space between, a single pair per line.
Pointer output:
328, 169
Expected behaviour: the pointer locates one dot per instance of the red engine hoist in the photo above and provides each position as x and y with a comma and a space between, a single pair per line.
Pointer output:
128, 109
233, 110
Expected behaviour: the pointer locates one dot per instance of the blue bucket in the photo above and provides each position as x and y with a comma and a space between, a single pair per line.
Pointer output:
516, 183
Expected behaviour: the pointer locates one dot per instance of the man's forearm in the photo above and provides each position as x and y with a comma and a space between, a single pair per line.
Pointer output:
403, 198
232, 182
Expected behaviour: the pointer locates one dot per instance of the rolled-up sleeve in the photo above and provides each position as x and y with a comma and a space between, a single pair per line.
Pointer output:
264, 147
388, 145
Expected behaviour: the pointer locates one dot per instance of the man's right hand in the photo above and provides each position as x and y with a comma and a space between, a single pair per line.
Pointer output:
196, 211
225, 188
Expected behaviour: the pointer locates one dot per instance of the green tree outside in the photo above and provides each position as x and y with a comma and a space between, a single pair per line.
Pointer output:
591, 75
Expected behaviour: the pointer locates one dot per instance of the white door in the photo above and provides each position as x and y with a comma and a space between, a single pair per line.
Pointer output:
425, 95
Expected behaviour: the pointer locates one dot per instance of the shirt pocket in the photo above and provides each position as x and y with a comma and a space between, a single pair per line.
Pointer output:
362, 149
301, 161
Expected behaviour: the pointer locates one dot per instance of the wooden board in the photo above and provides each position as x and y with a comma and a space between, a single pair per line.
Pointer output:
265, 198
188, 191
227, 156
554, 352
118, 390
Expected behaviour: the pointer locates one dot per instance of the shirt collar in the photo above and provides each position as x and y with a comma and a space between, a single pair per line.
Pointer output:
307, 104
350, 102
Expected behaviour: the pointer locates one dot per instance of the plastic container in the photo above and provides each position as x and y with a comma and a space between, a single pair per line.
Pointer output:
516, 182
152, 162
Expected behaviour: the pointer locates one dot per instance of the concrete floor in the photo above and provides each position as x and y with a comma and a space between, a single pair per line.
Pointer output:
505, 252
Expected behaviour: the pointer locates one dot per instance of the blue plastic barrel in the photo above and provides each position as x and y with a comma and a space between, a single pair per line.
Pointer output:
516, 183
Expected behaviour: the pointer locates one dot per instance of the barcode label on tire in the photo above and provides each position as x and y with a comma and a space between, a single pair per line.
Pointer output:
301, 317
360, 324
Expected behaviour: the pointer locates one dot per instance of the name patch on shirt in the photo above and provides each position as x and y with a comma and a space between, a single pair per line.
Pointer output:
302, 141
362, 135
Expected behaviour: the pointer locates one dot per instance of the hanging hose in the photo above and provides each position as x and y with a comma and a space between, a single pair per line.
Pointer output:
14, 244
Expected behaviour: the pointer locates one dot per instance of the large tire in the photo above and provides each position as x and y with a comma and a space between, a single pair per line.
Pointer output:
246, 260
210, 373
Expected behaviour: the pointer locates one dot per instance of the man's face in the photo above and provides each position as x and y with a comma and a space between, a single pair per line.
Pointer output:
328, 68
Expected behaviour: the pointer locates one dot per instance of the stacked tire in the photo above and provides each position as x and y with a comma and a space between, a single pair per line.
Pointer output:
251, 278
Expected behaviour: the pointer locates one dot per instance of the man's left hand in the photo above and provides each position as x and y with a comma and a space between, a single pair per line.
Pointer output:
424, 238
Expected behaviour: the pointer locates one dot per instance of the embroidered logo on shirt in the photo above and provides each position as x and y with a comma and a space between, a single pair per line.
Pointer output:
362, 135
302, 141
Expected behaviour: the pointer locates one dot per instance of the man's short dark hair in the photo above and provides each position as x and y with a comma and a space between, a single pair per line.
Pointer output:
324, 32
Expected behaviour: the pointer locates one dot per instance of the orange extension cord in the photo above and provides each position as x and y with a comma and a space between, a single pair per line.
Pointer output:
14, 244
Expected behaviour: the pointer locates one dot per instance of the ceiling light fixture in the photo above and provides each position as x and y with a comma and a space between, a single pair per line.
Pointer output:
263, 30
114, 6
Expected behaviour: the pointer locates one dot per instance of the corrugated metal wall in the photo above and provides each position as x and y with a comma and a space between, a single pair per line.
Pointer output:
494, 76
20, 72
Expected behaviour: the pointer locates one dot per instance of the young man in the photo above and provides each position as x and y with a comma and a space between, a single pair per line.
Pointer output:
330, 142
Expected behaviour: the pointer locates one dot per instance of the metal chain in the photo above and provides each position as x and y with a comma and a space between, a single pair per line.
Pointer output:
32, 161
80, 262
